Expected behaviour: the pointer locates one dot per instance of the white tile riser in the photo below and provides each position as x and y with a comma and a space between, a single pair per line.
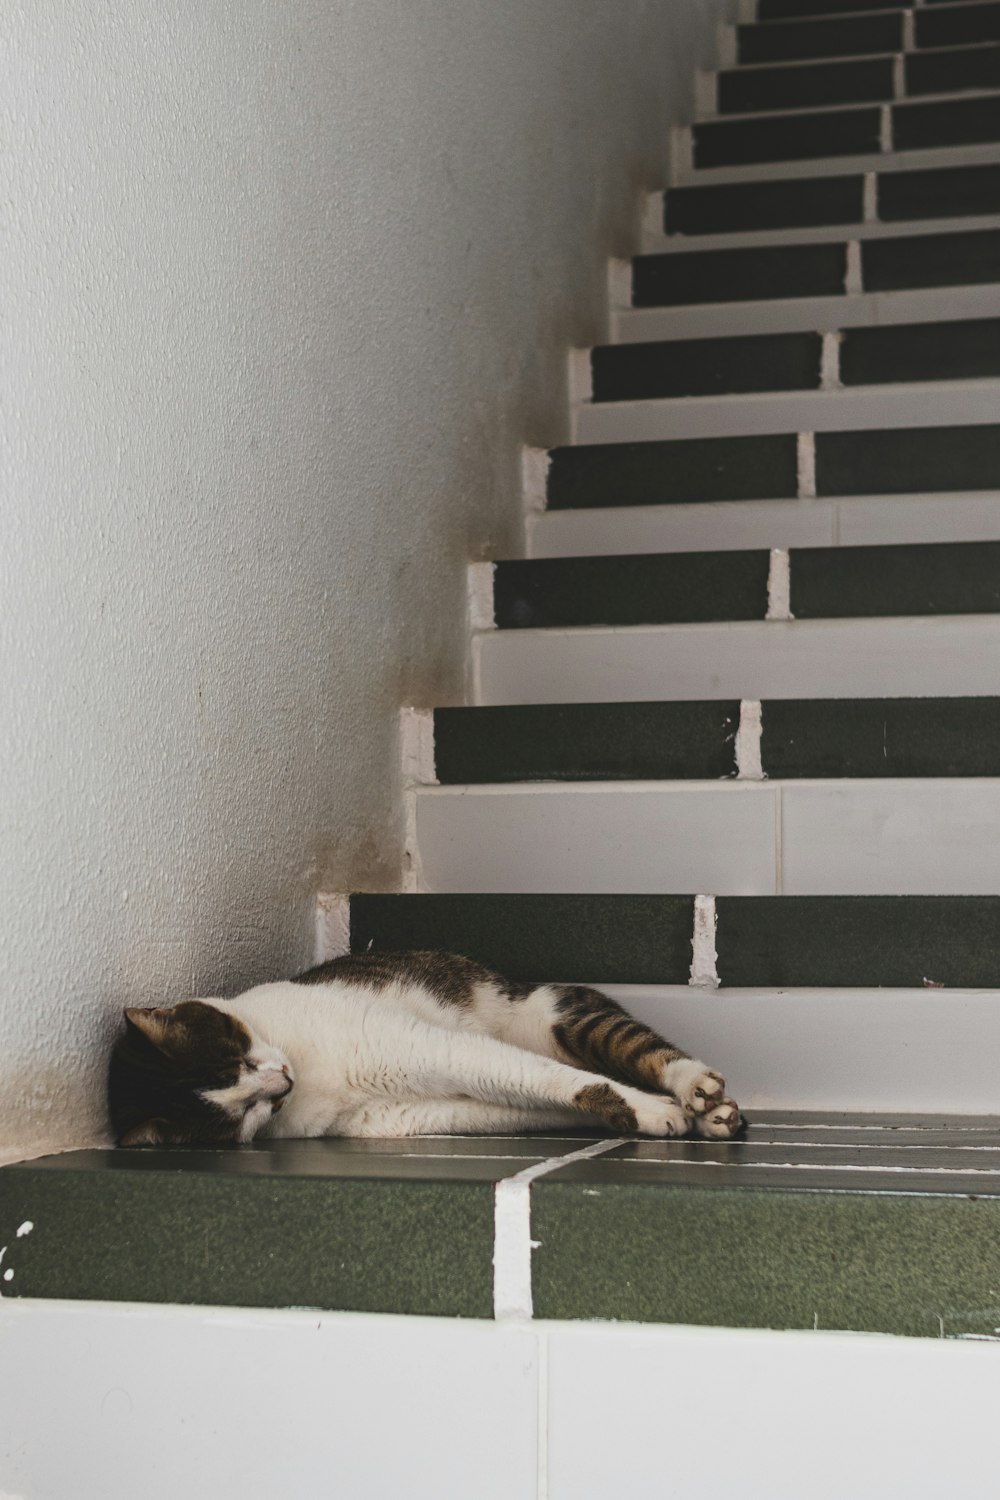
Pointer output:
733, 525
920, 656
739, 838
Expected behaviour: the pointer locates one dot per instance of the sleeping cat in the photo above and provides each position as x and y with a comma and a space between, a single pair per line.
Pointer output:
397, 1044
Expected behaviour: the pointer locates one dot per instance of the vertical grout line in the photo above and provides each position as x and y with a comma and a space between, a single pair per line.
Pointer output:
853, 275
725, 46
805, 465
512, 1242
704, 958
748, 742
416, 741
829, 362
480, 595
706, 93
779, 842
869, 212
619, 286
909, 32
899, 76
779, 585
885, 128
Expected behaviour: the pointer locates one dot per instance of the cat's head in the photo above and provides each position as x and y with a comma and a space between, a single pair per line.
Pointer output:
192, 1073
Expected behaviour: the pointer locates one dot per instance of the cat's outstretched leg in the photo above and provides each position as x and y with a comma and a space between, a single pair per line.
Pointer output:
590, 1030
428, 1062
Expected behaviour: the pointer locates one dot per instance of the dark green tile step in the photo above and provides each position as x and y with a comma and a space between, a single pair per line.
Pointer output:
858, 1222
951, 71
791, 10
897, 461
641, 589
967, 350
677, 278
707, 367
957, 26
868, 737
781, 41
762, 941
945, 122
952, 578
821, 133
808, 202
818, 133
884, 1240
809, 85
899, 353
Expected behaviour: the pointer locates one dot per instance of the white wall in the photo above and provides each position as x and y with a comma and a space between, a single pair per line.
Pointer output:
106, 1403
284, 288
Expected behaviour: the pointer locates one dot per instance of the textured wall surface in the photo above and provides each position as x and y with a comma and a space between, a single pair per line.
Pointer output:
284, 288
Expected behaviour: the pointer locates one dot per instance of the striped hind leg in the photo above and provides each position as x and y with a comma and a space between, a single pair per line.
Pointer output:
587, 1028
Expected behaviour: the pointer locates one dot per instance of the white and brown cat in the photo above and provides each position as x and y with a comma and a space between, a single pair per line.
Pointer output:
398, 1044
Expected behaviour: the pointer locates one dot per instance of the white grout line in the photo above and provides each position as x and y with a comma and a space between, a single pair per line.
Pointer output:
853, 278
805, 464
779, 585
512, 1242
829, 365
332, 930
823, 1168
704, 973
909, 32
899, 76
748, 736
885, 128
869, 211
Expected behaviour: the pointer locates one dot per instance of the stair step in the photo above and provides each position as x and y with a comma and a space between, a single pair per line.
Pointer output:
863, 520
872, 1225
932, 836
937, 261
869, 737
819, 133
849, 942
948, 578
865, 80
782, 41
793, 10
965, 350
866, 462
790, 203
914, 656
957, 25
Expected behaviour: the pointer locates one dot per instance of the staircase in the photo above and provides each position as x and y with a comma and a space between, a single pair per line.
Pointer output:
732, 752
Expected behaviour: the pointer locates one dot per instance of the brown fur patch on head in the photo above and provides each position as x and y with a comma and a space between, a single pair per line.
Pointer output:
606, 1102
159, 1067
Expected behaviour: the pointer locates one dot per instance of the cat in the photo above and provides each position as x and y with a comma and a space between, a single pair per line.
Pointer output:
398, 1044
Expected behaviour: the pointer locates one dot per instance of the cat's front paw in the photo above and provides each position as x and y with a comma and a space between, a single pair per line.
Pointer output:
661, 1117
721, 1122
698, 1088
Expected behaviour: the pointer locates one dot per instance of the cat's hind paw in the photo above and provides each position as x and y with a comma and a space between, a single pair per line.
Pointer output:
698, 1088
721, 1122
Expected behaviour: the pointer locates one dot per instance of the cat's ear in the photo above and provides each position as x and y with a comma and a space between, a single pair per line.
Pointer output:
154, 1023
149, 1133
